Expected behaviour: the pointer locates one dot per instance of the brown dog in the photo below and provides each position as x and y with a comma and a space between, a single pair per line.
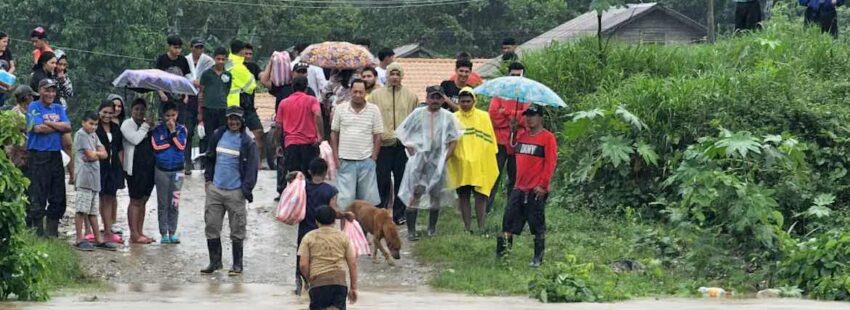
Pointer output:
379, 223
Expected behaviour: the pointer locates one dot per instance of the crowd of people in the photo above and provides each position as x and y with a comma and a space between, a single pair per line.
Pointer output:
388, 148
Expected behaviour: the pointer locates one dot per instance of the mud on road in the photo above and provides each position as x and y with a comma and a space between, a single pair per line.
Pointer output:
269, 248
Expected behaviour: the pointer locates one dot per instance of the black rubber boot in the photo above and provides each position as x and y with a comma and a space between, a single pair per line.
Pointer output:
214, 247
433, 216
237, 259
539, 247
411, 215
510, 242
500, 246
52, 228
37, 224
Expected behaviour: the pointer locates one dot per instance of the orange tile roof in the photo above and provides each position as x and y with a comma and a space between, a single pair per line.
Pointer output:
419, 73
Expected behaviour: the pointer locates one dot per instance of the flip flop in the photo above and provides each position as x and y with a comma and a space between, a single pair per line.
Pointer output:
84, 246
89, 237
117, 239
141, 240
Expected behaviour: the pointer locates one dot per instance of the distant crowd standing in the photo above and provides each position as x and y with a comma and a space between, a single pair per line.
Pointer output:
389, 148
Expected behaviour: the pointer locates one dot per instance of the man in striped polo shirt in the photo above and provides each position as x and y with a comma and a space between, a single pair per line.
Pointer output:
356, 141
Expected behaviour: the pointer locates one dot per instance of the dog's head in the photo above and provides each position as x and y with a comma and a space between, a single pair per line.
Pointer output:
393, 241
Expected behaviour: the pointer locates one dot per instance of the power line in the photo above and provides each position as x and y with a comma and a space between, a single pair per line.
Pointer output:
64, 48
372, 5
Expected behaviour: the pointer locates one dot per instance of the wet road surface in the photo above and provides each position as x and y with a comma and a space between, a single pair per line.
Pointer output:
264, 296
269, 247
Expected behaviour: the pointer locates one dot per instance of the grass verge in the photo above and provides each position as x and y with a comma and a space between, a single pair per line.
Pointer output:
467, 263
62, 269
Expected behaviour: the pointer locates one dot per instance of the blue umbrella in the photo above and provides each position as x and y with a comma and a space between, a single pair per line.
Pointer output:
521, 89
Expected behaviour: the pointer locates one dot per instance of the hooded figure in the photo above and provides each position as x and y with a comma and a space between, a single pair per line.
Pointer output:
474, 160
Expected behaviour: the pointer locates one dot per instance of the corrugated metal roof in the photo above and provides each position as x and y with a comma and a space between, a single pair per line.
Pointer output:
586, 24
410, 49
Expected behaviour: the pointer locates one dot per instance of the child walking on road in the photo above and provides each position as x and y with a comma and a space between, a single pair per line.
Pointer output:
319, 194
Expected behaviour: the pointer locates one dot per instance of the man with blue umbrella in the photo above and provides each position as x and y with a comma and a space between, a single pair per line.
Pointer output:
506, 115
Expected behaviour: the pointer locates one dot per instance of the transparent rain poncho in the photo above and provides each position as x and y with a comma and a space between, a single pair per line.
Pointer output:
428, 135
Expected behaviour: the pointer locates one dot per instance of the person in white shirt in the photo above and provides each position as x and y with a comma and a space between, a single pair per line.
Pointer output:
386, 56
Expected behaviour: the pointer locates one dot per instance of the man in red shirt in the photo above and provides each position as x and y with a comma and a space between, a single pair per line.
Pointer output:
506, 116
300, 117
536, 158
38, 36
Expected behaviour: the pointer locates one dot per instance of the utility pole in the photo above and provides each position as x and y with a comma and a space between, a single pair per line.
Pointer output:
709, 16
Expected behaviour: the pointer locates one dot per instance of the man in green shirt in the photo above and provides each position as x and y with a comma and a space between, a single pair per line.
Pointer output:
212, 97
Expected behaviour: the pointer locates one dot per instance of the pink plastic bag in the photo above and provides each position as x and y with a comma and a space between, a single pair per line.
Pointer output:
293, 202
357, 238
327, 153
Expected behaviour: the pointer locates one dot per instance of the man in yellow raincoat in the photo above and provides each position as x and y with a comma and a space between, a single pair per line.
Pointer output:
242, 86
472, 169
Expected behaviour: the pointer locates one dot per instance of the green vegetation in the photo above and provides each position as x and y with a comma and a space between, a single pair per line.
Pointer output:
710, 165
29, 267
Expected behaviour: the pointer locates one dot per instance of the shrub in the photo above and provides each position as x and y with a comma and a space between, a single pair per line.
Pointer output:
21, 267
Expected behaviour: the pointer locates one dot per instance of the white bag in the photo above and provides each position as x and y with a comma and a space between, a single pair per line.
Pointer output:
201, 131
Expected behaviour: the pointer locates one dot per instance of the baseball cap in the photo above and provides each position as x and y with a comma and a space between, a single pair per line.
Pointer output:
24, 90
197, 42
38, 32
238, 111
46, 83
533, 110
300, 66
174, 40
434, 89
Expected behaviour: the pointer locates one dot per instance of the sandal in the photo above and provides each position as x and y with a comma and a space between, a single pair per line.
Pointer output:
106, 246
117, 239
84, 246
89, 237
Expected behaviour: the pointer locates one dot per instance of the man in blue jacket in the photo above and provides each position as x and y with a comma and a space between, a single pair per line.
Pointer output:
822, 12
232, 160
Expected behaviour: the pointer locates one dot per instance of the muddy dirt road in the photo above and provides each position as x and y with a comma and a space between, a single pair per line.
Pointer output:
269, 247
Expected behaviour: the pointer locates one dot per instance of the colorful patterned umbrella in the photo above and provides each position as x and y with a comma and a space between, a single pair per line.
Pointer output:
521, 89
155, 79
337, 55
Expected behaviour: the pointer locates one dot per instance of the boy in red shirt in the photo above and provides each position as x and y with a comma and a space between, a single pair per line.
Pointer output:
536, 154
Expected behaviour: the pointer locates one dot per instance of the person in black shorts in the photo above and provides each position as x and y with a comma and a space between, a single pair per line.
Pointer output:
536, 159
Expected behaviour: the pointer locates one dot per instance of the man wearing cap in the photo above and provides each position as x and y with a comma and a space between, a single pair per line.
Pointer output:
198, 63
46, 122
445, 102
242, 90
299, 117
396, 102
23, 97
212, 95
506, 115
430, 135
472, 168
536, 158
230, 176
38, 36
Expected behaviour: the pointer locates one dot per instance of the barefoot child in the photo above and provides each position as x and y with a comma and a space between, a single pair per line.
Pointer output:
89, 152
319, 194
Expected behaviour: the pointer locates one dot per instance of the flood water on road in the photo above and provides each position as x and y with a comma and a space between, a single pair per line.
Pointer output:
232, 296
